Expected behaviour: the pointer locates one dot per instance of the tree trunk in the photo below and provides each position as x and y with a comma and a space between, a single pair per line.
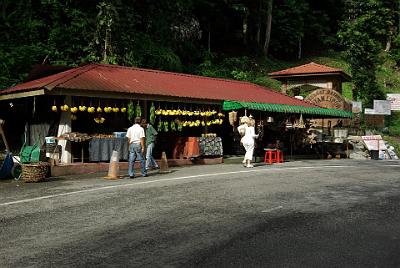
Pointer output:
388, 44
209, 38
268, 28
299, 55
245, 25
389, 40
258, 34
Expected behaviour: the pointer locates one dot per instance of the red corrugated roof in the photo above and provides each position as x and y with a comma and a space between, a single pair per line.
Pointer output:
113, 78
309, 69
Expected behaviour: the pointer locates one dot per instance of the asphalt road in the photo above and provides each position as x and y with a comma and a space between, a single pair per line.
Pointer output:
326, 213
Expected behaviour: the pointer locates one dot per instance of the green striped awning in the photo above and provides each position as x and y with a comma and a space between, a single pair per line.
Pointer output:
284, 108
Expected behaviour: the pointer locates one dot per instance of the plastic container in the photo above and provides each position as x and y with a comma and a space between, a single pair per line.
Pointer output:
119, 134
50, 140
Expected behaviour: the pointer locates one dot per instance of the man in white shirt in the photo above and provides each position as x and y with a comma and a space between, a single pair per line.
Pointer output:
135, 135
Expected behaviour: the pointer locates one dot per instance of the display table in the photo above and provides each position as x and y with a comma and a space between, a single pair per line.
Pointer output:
100, 149
211, 146
191, 147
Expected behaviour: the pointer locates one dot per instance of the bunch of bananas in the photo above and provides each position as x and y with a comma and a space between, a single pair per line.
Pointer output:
174, 112
99, 120
108, 109
64, 108
90, 109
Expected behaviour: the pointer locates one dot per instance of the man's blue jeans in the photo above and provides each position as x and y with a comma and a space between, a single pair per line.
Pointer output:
150, 162
135, 152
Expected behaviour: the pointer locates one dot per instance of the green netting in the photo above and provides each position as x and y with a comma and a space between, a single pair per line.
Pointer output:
284, 108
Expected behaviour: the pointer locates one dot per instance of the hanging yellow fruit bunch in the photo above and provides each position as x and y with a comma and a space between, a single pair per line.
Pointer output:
99, 120
54, 107
64, 108
74, 110
107, 109
221, 115
99, 110
91, 109
115, 109
82, 108
123, 110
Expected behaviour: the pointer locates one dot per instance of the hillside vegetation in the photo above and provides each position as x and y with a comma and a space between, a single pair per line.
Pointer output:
240, 39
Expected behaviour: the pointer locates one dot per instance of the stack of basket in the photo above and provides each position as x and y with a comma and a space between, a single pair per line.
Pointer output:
34, 172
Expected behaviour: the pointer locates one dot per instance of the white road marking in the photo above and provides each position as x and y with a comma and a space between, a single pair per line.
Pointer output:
272, 209
169, 179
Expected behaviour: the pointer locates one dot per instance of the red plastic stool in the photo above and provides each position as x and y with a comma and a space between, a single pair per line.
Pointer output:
279, 156
270, 156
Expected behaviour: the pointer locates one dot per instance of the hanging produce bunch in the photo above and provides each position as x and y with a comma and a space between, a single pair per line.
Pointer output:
152, 113
131, 111
138, 111
184, 118
99, 119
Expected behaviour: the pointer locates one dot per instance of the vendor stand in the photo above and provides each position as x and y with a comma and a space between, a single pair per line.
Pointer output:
289, 128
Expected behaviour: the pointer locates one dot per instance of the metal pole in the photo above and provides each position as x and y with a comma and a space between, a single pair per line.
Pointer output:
3, 136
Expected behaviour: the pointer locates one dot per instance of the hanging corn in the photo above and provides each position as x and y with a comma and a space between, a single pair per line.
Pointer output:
152, 113
138, 112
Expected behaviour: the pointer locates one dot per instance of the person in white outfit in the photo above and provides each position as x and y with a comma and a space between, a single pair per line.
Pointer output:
248, 140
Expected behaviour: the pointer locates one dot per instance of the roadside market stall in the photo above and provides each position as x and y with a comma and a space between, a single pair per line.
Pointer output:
85, 111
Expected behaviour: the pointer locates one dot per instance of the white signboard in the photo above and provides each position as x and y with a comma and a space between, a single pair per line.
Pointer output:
382, 107
369, 111
394, 101
356, 107
374, 142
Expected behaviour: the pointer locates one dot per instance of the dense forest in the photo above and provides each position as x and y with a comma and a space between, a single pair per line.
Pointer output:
236, 39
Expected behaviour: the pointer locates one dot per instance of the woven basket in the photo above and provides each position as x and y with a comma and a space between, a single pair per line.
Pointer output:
34, 172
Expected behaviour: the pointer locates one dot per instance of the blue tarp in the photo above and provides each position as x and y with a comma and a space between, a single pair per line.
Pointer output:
6, 167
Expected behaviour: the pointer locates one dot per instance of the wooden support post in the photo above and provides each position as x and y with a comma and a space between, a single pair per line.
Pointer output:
3, 136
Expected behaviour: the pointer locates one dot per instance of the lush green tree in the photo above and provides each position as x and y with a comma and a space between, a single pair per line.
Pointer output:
363, 35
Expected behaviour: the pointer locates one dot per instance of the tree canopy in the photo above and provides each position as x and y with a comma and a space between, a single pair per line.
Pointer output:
238, 39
